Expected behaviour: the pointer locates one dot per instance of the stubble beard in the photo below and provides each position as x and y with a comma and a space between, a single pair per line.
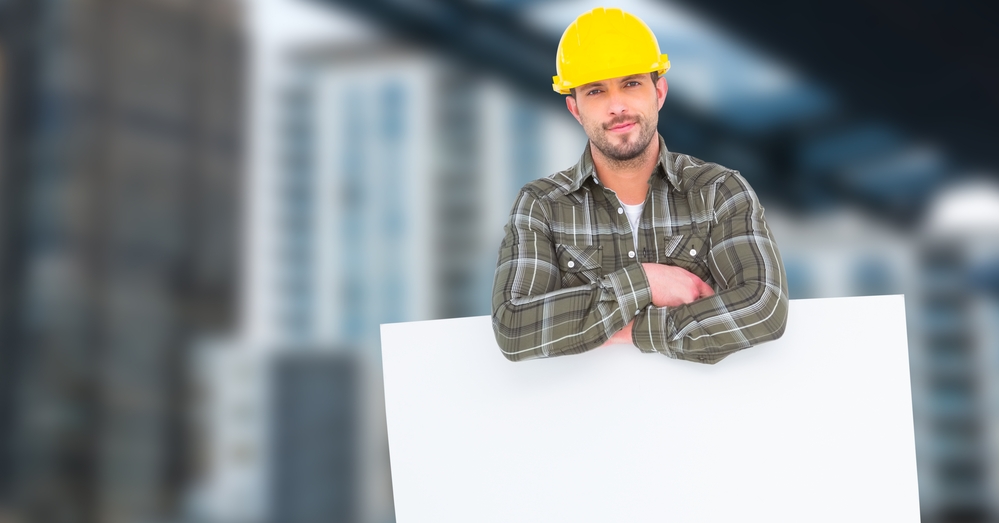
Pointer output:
624, 153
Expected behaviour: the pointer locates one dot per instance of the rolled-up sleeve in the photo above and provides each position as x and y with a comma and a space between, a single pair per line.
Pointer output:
751, 301
533, 316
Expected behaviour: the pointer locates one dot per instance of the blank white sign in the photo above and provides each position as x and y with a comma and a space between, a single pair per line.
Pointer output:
814, 427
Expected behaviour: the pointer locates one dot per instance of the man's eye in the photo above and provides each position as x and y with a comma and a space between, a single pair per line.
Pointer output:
633, 83
592, 91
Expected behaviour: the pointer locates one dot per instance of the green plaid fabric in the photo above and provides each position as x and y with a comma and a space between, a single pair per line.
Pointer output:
568, 275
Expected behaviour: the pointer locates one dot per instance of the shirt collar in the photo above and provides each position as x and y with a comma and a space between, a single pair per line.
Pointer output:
585, 169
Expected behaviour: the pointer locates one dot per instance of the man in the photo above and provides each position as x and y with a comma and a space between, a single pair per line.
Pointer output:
634, 244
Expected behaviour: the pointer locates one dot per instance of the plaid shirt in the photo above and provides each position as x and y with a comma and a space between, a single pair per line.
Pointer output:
568, 275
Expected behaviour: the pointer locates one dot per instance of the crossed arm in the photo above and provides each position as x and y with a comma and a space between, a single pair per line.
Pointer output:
671, 287
659, 308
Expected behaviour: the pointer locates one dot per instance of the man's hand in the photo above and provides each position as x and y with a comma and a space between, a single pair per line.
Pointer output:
621, 336
673, 286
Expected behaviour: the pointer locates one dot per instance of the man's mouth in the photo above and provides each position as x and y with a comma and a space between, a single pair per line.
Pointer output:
621, 127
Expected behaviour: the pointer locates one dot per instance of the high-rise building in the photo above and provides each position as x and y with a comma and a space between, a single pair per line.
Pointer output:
956, 375
393, 176
120, 202
6, 304
396, 177
951, 338
313, 438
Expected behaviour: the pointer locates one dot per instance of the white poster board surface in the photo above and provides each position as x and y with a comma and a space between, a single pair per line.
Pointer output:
816, 426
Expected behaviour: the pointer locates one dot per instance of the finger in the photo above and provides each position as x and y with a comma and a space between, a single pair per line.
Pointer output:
705, 289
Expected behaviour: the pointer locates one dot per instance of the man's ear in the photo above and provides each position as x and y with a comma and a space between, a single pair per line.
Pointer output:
661, 88
570, 103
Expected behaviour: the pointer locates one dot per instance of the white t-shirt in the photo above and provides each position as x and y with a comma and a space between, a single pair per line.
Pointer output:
634, 213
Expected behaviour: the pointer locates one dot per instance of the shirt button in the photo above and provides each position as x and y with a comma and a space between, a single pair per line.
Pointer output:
620, 210
631, 254
693, 252
639, 311
571, 264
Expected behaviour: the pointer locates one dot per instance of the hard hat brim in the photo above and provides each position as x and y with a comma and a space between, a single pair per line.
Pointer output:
563, 86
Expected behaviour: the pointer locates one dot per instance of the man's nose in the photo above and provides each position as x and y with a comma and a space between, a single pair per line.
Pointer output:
616, 101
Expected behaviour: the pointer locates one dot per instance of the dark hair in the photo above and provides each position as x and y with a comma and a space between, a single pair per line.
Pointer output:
653, 74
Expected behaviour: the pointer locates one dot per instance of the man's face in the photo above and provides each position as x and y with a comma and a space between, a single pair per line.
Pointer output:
619, 115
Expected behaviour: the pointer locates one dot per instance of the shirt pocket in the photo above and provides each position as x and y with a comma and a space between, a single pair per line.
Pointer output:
688, 249
579, 265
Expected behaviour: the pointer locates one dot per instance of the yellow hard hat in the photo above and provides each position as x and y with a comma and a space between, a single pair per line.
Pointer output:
605, 43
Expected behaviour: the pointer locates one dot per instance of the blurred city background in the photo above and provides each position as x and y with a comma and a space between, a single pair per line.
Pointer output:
207, 207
